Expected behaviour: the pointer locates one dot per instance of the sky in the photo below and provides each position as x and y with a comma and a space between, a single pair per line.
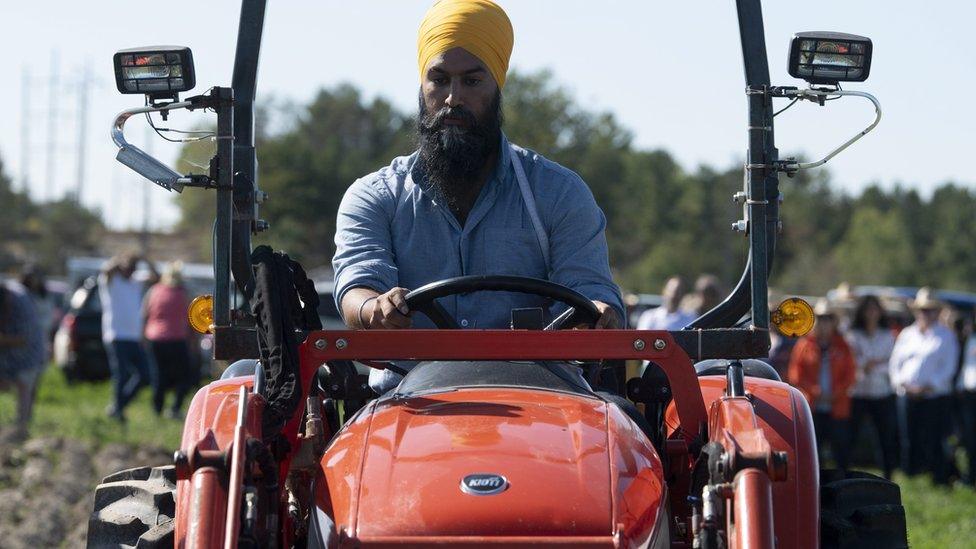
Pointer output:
671, 72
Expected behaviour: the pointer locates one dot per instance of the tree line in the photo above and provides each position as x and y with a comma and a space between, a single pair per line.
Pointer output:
43, 233
663, 218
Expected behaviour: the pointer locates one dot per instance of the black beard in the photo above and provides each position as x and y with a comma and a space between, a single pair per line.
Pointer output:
452, 157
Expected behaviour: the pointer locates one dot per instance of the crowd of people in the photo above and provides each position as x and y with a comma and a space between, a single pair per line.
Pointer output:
144, 331
912, 384
898, 390
904, 388
146, 334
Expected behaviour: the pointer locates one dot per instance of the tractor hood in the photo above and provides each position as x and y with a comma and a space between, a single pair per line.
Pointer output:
486, 462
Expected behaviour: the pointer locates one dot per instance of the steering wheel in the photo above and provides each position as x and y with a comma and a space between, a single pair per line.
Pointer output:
581, 310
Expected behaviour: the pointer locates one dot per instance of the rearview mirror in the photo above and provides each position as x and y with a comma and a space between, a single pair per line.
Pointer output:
830, 57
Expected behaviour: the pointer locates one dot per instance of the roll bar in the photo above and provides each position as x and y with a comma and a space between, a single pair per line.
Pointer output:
234, 175
246, 195
761, 185
761, 178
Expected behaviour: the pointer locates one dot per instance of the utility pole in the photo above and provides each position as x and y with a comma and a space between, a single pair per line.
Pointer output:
82, 129
52, 128
25, 148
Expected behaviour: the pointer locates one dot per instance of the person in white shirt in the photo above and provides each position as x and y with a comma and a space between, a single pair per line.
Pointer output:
668, 316
922, 367
966, 386
872, 398
121, 297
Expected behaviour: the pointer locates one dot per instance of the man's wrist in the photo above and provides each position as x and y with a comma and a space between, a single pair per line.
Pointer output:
363, 323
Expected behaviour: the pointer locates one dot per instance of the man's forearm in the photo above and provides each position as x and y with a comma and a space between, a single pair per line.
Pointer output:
353, 305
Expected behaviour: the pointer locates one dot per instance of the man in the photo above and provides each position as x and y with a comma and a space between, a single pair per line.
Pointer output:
707, 295
121, 297
966, 407
922, 367
668, 316
822, 368
21, 349
467, 202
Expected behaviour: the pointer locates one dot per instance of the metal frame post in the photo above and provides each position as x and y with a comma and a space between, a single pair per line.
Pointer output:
223, 227
761, 182
244, 82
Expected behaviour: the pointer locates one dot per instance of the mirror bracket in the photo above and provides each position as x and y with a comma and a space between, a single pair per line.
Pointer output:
820, 95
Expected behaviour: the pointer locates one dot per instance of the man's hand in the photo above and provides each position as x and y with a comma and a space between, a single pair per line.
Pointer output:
917, 390
387, 311
609, 319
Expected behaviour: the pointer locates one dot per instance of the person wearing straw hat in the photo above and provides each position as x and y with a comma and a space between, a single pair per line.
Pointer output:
822, 368
922, 367
467, 202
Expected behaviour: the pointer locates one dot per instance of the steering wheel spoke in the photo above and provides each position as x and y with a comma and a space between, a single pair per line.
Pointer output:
581, 310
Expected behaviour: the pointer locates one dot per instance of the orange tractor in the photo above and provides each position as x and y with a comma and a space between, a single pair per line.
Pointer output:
487, 441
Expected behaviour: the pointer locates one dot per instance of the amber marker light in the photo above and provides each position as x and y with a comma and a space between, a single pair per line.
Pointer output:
793, 318
200, 314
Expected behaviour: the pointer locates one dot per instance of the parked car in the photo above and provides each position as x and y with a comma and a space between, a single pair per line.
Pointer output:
78, 348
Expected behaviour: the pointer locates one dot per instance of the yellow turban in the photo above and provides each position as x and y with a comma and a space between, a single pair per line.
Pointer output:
479, 26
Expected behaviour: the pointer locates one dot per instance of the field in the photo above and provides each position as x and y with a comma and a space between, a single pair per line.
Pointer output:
70, 420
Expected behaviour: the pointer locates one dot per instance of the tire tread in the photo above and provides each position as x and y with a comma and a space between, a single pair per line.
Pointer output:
860, 510
134, 508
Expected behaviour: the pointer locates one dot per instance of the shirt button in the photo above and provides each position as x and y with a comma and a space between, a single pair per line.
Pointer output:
464, 323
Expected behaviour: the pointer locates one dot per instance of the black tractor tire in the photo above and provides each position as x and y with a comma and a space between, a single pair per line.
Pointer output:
134, 508
860, 510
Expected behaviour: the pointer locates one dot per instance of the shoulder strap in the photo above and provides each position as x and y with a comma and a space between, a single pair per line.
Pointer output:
523, 183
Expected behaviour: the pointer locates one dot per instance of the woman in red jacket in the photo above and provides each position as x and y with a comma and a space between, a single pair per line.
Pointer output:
822, 368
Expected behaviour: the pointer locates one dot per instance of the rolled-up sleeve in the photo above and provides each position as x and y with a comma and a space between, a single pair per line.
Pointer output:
578, 244
364, 252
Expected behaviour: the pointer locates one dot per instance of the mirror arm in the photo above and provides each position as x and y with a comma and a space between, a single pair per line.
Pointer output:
820, 95
140, 161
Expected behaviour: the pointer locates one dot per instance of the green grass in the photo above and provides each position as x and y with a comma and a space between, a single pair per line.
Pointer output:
937, 517
78, 411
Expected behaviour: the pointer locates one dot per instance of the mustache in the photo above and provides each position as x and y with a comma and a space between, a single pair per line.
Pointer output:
435, 121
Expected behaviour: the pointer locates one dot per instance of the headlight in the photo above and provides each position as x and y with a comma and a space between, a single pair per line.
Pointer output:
158, 71
830, 57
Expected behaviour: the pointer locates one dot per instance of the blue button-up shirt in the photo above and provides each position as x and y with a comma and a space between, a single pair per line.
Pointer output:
393, 230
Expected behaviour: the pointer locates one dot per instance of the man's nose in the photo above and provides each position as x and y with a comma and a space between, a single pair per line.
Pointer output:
454, 98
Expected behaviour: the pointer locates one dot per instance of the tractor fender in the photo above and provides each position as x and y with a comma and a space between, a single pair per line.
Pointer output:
783, 415
211, 420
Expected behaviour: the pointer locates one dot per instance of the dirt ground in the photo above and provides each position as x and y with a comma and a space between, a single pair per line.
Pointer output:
46, 486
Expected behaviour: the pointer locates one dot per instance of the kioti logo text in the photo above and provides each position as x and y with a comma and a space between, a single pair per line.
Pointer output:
484, 484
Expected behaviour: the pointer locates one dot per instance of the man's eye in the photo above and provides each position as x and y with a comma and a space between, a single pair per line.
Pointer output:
439, 81
472, 81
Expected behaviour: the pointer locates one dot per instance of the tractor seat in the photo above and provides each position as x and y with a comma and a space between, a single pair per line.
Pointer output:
751, 367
